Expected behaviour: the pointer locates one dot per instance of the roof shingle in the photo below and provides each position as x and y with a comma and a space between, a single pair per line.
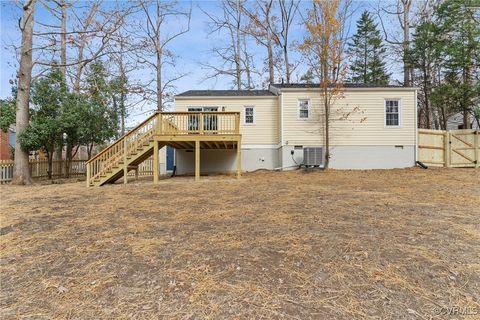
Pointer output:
225, 93
345, 85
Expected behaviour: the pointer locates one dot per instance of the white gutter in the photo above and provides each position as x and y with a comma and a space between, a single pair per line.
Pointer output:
416, 127
354, 89
281, 119
223, 97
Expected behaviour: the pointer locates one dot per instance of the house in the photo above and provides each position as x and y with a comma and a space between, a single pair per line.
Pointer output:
7, 143
371, 127
246, 130
455, 122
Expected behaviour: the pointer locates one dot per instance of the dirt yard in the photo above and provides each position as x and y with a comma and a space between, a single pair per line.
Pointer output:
395, 244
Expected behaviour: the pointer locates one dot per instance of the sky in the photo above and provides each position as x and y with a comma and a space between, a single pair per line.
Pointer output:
191, 48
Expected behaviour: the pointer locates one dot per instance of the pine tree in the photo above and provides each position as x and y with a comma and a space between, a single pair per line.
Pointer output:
460, 34
424, 56
367, 53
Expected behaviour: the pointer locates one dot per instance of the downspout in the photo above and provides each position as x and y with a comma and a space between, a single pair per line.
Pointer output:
416, 129
281, 127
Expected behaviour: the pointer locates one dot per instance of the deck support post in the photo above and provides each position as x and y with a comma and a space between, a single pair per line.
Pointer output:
197, 160
155, 162
239, 158
88, 174
125, 164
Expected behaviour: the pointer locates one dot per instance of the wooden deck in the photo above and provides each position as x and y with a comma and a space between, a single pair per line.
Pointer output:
180, 130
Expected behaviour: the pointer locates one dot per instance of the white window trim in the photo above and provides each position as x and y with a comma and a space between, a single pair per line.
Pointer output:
309, 109
400, 118
245, 116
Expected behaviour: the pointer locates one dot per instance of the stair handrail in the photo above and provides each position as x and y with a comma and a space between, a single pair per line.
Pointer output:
132, 131
119, 156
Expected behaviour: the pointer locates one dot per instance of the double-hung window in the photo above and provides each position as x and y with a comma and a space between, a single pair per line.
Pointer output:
249, 115
303, 108
392, 112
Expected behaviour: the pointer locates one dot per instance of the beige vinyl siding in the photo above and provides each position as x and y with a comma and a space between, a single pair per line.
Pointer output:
358, 119
264, 130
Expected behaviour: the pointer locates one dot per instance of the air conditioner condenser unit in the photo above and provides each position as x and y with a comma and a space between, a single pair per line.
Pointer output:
313, 157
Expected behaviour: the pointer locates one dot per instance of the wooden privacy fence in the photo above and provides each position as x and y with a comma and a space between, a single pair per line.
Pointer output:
38, 169
452, 148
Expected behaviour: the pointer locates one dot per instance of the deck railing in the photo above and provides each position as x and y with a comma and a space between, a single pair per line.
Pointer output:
161, 123
182, 123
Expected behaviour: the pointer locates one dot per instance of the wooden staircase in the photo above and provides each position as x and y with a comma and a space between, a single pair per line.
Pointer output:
181, 130
124, 154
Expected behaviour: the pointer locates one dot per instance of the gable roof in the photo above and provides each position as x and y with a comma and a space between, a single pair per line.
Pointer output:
345, 85
225, 93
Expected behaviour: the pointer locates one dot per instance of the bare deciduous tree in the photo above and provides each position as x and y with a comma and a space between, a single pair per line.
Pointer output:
232, 58
402, 13
21, 173
324, 43
288, 10
156, 38
262, 27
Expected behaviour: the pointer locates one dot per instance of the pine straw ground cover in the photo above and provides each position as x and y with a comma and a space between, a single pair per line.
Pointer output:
394, 244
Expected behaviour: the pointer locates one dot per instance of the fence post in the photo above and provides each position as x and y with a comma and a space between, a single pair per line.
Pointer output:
447, 149
200, 122
476, 150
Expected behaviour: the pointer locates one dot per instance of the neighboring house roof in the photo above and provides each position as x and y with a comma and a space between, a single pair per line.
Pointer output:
455, 121
225, 93
11, 137
345, 85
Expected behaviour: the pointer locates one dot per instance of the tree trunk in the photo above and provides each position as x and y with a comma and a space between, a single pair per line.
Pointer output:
89, 151
63, 62
467, 79
50, 164
237, 51
287, 64
425, 92
444, 119
21, 173
78, 74
466, 119
158, 49
327, 129
123, 83
326, 104
271, 75
406, 43
63, 42
159, 81
122, 113
247, 65
365, 54
287, 14
82, 42
68, 159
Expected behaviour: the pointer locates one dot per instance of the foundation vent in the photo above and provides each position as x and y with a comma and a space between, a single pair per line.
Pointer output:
313, 156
